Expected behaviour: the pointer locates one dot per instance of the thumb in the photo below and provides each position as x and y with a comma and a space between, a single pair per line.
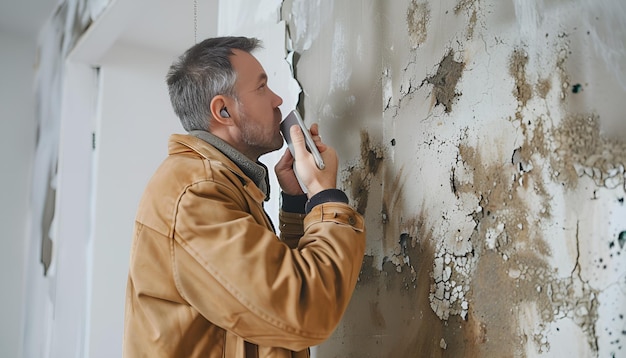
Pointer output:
297, 139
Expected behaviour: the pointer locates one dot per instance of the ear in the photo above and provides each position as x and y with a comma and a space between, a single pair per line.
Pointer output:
218, 104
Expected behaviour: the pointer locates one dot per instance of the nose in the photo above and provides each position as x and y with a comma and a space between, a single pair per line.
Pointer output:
277, 99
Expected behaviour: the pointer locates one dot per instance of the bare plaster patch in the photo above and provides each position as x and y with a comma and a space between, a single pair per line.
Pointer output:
445, 80
417, 18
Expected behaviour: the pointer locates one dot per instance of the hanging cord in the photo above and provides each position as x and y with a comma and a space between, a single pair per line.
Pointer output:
195, 21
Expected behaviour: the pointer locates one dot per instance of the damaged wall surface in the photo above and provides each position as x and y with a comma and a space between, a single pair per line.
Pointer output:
484, 143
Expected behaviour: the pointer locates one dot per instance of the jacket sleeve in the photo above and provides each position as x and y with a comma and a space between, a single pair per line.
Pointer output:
291, 227
239, 276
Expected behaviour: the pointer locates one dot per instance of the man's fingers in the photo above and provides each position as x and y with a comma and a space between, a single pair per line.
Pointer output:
297, 139
315, 131
315, 135
285, 161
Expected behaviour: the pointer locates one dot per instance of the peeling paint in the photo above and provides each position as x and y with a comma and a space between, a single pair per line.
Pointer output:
581, 150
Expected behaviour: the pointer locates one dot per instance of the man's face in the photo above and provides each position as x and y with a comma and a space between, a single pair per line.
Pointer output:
258, 116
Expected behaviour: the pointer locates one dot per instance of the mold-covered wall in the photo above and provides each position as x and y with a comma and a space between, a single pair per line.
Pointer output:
483, 140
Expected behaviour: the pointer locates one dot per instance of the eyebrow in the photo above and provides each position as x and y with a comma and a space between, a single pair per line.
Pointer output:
262, 77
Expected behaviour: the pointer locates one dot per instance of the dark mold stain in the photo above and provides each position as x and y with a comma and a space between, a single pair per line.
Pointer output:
577, 88
359, 189
404, 242
453, 182
378, 319
621, 239
389, 314
445, 80
361, 174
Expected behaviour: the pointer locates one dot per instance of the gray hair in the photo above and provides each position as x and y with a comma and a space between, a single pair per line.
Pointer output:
201, 73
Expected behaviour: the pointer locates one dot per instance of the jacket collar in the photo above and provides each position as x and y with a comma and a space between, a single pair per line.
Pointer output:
244, 168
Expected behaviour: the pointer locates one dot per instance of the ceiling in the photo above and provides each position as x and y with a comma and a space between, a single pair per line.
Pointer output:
164, 25
169, 25
25, 17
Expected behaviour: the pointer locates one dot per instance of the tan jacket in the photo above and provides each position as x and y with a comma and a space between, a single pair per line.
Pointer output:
209, 277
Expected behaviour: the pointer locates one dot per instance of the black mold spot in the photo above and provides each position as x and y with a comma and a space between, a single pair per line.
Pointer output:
621, 239
453, 182
577, 88
393, 142
404, 243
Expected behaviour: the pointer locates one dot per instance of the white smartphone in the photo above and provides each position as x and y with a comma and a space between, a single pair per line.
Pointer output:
292, 119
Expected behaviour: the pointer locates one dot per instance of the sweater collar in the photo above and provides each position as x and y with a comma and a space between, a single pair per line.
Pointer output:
256, 171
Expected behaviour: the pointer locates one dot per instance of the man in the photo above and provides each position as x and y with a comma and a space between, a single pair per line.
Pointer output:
208, 275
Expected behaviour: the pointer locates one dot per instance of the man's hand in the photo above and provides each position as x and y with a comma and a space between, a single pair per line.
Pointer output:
286, 176
314, 179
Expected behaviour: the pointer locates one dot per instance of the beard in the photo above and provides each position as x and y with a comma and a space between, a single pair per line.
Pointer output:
261, 138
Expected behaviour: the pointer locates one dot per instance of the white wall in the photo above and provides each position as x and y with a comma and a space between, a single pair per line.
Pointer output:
135, 122
17, 144
17, 148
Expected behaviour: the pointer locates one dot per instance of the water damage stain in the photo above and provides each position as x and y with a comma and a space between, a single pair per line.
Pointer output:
510, 250
417, 18
445, 80
517, 69
510, 255
394, 298
543, 88
471, 8
466, 5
